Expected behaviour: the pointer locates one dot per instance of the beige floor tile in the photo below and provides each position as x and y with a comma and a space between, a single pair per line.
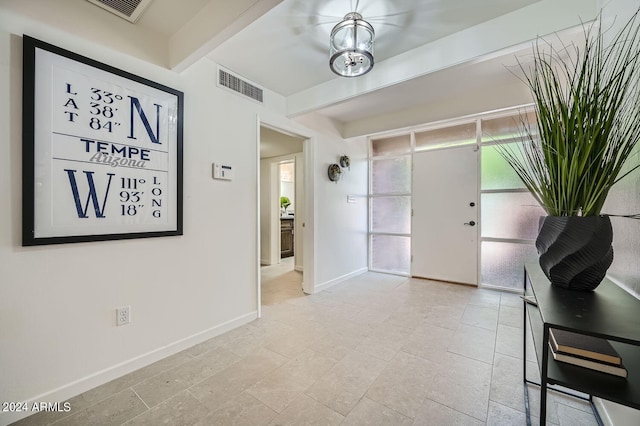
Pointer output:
221, 388
573, 402
511, 299
380, 347
45, 418
474, 342
306, 411
247, 343
482, 317
445, 316
114, 410
433, 413
499, 415
182, 409
242, 410
507, 382
534, 404
281, 387
463, 384
509, 341
100, 393
485, 298
168, 383
429, 342
409, 318
343, 386
370, 413
384, 340
570, 416
510, 316
404, 384
292, 343
330, 350
454, 358
346, 336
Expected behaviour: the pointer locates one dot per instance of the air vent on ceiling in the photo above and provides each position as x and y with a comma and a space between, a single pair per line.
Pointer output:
235, 83
131, 10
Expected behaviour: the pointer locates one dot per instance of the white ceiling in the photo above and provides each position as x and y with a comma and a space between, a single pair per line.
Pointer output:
287, 49
283, 46
168, 16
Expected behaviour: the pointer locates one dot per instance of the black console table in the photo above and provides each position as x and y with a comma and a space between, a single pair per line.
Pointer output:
608, 312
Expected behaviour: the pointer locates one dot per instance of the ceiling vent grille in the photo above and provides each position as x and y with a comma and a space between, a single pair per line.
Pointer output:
131, 10
238, 85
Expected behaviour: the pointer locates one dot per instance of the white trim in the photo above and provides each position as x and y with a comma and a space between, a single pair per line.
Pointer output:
601, 408
613, 414
498, 288
309, 230
335, 281
439, 124
258, 239
308, 256
624, 286
101, 377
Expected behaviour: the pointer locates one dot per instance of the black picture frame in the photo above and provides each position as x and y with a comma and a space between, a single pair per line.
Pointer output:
102, 151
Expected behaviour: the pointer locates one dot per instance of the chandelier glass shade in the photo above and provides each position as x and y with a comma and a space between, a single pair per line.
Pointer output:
351, 46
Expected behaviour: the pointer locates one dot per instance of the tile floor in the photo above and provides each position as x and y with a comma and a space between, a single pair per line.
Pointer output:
374, 350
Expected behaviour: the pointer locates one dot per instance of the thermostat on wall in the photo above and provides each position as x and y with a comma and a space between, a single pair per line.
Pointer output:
221, 171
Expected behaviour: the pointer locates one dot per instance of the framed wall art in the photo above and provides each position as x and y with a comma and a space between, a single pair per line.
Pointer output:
102, 151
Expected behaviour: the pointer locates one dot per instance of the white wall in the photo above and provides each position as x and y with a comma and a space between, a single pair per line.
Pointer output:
624, 198
346, 244
57, 303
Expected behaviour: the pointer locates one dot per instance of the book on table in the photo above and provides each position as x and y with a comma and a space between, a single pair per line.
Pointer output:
589, 347
616, 370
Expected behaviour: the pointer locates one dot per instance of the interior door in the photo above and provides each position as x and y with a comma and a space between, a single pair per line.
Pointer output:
444, 226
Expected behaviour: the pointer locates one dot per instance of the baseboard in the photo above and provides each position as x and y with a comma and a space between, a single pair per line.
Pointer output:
331, 283
298, 268
84, 384
498, 288
613, 414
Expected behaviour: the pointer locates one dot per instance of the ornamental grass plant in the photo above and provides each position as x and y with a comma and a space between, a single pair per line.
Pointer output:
587, 120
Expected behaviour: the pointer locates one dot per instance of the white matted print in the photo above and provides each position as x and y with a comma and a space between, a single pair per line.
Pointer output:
102, 151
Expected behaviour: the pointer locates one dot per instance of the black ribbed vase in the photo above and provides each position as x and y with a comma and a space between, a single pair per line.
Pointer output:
575, 252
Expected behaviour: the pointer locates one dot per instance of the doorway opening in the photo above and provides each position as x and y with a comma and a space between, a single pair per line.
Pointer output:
282, 215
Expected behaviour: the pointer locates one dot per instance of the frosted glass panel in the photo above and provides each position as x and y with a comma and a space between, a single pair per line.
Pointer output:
391, 175
503, 263
391, 215
496, 173
449, 136
510, 215
389, 146
390, 253
508, 128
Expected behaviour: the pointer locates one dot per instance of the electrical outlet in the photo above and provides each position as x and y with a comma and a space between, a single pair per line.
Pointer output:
123, 315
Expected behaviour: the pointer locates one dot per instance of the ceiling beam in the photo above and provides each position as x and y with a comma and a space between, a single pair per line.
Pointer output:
214, 24
504, 32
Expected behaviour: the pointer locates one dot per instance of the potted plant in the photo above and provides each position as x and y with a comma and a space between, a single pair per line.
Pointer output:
587, 126
284, 203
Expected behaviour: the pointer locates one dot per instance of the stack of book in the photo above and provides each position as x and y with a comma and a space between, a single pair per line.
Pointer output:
585, 351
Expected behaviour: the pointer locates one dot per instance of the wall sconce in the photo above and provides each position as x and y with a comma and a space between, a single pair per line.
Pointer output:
345, 162
334, 172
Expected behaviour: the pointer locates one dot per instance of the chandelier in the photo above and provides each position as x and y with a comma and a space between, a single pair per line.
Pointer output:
351, 46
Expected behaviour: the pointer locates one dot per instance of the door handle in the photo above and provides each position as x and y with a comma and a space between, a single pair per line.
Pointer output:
471, 223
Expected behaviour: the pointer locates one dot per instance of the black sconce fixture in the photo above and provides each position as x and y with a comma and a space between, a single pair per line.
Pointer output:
335, 170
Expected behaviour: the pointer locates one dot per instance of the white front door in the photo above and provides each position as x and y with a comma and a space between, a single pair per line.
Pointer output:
444, 227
